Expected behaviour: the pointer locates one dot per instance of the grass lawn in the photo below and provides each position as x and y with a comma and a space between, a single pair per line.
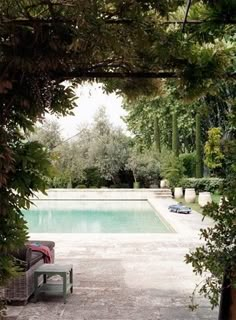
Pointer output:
195, 206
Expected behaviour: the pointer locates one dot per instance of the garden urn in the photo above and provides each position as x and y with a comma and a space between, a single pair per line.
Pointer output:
163, 183
190, 195
178, 192
204, 198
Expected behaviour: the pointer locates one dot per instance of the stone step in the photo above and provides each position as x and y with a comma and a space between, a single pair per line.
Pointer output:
163, 193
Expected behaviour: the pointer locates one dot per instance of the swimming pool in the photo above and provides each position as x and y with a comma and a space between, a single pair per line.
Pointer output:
95, 217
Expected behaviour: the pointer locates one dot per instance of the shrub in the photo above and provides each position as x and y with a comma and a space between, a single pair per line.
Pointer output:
81, 186
171, 168
60, 181
93, 178
212, 149
216, 258
203, 184
189, 163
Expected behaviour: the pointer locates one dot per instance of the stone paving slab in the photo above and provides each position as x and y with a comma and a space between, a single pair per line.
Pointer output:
126, 276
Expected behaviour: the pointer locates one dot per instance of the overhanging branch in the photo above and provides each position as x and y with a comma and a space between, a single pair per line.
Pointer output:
186, 14
114, 75
60, 75
61, 21
217, 21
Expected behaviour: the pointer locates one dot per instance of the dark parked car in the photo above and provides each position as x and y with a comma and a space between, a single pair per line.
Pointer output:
179, 208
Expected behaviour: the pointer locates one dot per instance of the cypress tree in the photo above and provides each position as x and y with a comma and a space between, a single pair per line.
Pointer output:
175, 138
198, 146
157, 140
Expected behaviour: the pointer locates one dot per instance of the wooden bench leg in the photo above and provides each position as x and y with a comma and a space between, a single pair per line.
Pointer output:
71, 280
35, 287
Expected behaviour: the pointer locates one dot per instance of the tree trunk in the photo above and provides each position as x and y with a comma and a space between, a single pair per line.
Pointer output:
157, 140
232, 311
175, 138
227, 310
198, 147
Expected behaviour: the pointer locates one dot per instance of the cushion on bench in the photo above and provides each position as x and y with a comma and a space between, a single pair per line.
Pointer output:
49, 244
25, 257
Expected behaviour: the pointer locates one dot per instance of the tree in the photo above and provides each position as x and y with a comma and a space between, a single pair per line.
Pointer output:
218, 254
145, 167
212, 149
141, 115
29, 173
215, 259
198, 146
157, 138
171, 168
175, 136
109, 148
70, 164
48, 134
99, 151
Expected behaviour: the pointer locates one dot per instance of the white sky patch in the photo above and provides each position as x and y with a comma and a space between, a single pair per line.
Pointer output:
90, 98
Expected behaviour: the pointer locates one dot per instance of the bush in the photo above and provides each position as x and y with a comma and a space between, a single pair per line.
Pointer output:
60, 181
81, 186
203, 184
215, 258
93, 178
171, 168
189, 163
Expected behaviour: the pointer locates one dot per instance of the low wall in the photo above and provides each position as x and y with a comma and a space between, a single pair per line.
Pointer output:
84, 194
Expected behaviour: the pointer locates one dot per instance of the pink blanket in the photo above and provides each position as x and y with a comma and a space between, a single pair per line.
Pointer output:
45, 250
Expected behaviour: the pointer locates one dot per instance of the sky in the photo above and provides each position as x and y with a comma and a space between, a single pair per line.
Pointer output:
90, 98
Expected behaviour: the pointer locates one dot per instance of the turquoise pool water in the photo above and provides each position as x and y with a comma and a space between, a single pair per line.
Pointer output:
95, 217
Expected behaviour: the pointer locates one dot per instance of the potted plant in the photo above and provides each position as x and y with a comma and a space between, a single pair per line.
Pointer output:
216, 259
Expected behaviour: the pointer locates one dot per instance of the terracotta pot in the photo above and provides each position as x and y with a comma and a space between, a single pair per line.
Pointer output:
178, 192
204, 198
190, 195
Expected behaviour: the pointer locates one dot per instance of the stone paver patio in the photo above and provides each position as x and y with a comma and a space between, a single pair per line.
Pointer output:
126, 276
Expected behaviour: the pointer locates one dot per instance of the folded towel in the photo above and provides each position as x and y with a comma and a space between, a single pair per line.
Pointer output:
44, 249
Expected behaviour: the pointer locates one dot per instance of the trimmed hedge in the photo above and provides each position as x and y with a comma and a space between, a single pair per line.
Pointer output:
202, 184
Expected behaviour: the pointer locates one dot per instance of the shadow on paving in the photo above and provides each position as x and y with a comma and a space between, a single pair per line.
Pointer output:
101, 293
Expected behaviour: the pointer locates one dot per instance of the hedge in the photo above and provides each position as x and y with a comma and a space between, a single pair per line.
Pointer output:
202, 184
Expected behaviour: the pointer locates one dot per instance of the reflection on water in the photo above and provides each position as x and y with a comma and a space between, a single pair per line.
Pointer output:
94, 217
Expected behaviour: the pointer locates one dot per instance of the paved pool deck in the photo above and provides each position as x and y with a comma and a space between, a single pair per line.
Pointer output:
126, 276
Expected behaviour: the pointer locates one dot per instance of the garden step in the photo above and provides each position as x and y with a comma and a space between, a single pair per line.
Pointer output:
163, 193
